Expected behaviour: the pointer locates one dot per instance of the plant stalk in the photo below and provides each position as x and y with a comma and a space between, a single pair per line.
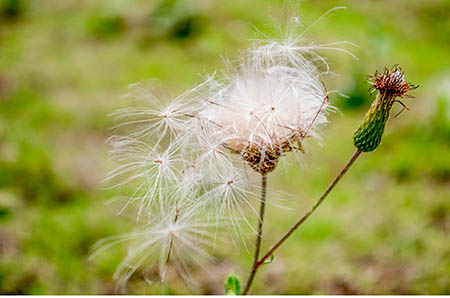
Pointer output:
302, 219
259, 235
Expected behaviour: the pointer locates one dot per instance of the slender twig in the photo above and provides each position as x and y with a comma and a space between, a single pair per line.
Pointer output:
259, 235
304, 217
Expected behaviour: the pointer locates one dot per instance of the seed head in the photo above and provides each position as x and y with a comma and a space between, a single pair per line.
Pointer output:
268, 106
193, 153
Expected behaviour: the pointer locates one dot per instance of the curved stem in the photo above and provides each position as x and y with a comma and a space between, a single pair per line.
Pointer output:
306, 215
259, 235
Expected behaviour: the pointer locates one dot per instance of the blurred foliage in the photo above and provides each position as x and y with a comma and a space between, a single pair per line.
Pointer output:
357, 96
12, 9
64, 65
105, 25
172, 19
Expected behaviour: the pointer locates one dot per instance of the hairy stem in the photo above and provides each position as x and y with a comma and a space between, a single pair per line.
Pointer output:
259, 235
304, 217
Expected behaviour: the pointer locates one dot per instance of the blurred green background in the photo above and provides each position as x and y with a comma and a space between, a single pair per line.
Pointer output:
65, 64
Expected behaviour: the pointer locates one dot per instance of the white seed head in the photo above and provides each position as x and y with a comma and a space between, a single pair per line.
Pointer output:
187, 159
268, 106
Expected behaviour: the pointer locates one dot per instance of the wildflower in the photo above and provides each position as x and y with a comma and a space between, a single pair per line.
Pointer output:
390, 84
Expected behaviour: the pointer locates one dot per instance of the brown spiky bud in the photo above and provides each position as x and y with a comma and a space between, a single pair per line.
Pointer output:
390, 84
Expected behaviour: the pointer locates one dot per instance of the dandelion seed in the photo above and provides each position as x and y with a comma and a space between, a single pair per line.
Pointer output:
176, 237
228, 195
152, 172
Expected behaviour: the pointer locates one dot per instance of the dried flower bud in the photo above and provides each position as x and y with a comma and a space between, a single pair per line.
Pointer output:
264, 157
390, 85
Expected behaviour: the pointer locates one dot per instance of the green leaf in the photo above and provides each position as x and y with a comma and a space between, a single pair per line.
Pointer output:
232, 286
269, 260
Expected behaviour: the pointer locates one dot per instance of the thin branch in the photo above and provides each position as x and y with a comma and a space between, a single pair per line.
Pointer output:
304, 217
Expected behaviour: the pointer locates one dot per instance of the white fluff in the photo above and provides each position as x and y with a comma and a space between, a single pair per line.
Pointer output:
183, 157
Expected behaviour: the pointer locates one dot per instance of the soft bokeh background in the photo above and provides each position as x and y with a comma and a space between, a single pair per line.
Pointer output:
65, 64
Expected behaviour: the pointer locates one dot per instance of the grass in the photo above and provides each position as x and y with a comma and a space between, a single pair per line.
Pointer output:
64, 66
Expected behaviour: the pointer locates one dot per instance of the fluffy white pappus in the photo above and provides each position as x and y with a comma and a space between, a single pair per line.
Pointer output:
159, 116
152, 172
210, 154
192, 154
174, 237
229, 195
268, 105
293, 48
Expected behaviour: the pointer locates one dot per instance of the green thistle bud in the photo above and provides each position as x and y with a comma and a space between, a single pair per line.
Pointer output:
390, 84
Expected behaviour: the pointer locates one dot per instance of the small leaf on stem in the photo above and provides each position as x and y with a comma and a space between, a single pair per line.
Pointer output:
269, 260
232, 286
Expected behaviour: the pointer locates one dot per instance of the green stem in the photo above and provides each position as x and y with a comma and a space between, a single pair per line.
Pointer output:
303, 218
259, 235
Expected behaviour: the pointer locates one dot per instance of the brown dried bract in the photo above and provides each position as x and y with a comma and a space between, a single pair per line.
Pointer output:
391, 81
264, 158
